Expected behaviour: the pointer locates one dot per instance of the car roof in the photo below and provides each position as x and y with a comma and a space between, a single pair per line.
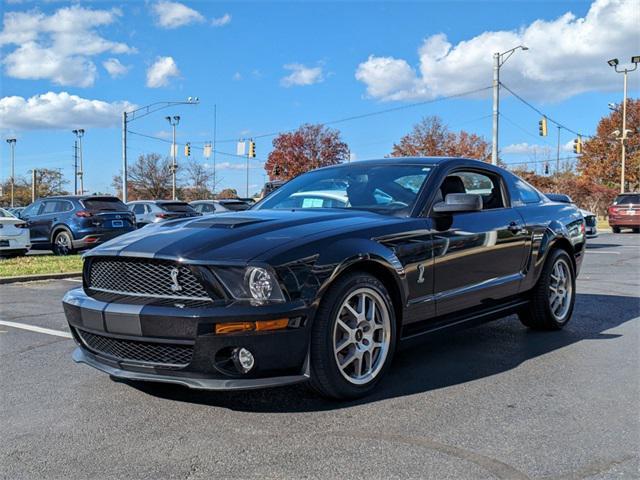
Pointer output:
158, 202
77, 197
426, 161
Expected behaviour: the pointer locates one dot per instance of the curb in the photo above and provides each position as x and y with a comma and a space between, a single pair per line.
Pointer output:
43, 276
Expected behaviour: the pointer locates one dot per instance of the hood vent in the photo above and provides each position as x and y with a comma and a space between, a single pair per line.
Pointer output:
224, 222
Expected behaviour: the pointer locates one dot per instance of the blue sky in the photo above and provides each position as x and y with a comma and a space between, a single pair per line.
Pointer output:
270, 66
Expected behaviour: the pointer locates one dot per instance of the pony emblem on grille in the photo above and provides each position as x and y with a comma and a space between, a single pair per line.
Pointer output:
176, 287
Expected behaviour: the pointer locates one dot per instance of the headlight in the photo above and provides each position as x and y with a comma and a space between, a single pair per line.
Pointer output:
257, 284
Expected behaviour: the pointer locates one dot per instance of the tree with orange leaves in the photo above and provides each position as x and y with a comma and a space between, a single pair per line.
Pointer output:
431, 137
307, 148
601, 157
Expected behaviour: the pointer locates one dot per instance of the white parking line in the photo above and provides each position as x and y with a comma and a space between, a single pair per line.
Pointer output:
589, 252
33, 328
78, 280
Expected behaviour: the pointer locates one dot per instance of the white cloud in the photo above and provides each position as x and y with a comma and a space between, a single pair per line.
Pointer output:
237, 76
59, 46
174, 14
115, 68
301, 75
221, 21
567, 56
159, 74
59, 111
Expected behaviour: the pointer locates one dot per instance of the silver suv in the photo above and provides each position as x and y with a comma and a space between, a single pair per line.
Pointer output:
155, 211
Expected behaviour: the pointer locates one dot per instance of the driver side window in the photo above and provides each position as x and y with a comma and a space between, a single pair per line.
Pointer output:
488, 186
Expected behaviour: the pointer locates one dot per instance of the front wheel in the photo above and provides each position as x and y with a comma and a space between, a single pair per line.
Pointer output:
615, 229
353, 337
554, 295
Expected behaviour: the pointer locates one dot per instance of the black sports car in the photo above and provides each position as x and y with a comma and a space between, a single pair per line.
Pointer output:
325, 277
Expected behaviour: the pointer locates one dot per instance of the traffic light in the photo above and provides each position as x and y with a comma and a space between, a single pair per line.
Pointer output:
187, 150
207, 150
577, 145
252, 149
546, 168
542, 127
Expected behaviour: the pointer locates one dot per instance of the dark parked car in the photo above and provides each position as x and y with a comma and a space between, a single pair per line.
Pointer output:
70, 222
156, 211
207, 207
625, 212
277, 295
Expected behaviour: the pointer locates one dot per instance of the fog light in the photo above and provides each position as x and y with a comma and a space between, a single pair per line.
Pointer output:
243, 359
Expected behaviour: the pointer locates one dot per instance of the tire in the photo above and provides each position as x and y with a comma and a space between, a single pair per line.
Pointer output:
342, 332
63, 243
615, 229
544, 313
636, 230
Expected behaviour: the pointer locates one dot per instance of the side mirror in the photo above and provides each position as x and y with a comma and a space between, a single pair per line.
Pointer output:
459, 202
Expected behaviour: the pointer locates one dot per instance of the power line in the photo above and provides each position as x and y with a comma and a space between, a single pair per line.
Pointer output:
378, 112
537, 110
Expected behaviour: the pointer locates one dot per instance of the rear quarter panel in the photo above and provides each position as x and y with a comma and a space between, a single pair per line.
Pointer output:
551, 224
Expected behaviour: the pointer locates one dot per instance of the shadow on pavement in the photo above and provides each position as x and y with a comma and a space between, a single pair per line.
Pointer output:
593, 246
437, 362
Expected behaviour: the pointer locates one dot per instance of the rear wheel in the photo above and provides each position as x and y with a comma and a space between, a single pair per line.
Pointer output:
615, 229
353, 337
63, 243
636, 230
553, 297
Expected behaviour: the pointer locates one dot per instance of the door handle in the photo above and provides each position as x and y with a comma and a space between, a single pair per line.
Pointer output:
515, 227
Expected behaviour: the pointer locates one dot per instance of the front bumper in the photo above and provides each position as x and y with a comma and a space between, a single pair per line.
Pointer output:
281, 356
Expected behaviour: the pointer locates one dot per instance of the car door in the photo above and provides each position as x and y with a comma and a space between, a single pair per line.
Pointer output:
479, 255
40, 223
30, 215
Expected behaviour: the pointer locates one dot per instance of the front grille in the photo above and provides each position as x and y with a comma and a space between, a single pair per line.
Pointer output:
165, 354
145, 278
590, 220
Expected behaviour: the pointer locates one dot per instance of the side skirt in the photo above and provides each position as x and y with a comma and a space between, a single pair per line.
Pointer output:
415, 332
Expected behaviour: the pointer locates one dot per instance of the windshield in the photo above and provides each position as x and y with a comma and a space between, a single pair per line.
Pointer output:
5, 213
179, 207
104, 205
627, 199
387, 189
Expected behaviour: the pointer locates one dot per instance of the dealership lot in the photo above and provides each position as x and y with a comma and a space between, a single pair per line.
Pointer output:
497, 401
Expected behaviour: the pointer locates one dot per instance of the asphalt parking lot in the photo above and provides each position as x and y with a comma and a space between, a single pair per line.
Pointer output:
496, 401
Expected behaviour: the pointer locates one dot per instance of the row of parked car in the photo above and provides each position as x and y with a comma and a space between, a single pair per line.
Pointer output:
69, 223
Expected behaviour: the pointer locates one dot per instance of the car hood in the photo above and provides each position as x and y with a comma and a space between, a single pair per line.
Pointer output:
235, 236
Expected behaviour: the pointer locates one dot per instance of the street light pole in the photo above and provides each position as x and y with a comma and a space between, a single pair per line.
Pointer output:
174, 151
623, 138
499, 59
79, 134
128, 117
12, 146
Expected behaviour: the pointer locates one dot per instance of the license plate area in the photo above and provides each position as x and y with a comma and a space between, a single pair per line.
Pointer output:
117, 224
4, 243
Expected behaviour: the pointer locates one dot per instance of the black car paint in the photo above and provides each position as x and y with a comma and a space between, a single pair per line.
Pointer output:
441, 272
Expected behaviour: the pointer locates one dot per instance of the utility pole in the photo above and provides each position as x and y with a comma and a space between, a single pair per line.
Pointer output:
33, 185
558, 152
623, 137
124, 157
215, 125
12, 146
173, 121
499, 59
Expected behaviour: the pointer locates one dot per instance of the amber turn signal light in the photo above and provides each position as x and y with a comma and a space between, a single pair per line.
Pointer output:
259, 326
